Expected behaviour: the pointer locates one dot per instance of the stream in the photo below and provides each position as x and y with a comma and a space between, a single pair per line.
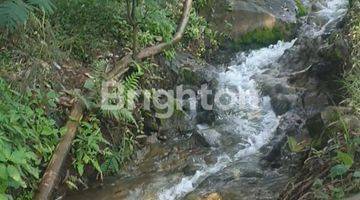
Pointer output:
232, 165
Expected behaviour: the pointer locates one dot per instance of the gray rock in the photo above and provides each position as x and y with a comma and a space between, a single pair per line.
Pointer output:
243, 16
206, 138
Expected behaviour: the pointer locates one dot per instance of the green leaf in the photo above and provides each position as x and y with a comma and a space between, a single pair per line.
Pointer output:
345, 158
80, 168
356, 174
5, 154
95, 163
33, 171
3, 172
72, 185
293, 145
14, 173
4, 197
318, 183
89, 84
18, 157
338, 170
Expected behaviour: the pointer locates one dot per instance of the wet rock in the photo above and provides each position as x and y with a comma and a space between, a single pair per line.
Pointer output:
274, 154
314, 102
271, 86
213, 196
189, 170
283, 97
151, 124
189, 77
282, 103
252, 173
291, 124
315, 125
206, 138
210, 159
152, 139
205, 117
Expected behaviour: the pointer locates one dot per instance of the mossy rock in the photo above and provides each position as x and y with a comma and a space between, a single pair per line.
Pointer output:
189, 77
264, 36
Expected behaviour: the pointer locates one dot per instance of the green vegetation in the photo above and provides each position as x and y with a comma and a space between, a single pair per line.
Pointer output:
15, 13
264, 36
77, 37
27, 138
352, 78
332, 163
301, 9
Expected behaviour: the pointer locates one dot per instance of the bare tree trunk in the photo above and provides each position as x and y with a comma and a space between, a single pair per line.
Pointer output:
50, 178
123, 65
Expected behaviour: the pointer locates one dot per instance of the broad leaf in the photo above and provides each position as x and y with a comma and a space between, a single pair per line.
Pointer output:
345, 158
14, 173
338, 170
3, 172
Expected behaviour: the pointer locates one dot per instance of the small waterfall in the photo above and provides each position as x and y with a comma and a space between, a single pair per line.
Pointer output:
253, 132
324, 20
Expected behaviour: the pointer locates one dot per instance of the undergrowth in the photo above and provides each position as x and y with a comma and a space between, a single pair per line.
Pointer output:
28, 138
332, 166
40, 39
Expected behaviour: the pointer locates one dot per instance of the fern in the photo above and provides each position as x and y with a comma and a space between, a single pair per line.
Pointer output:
120, 115
16, 12
98, 69
130, 85
45, 5
13, 13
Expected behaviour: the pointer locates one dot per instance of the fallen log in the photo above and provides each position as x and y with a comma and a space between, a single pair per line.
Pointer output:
50, 178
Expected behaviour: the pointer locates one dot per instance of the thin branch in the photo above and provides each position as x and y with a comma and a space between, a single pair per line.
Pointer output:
123, 65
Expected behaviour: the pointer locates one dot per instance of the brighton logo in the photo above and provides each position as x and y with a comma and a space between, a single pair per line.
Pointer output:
116, 97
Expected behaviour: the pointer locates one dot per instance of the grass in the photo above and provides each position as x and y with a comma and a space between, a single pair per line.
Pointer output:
301, 9
352, 77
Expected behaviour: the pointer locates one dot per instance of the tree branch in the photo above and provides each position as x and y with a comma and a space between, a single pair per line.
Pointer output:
123, 65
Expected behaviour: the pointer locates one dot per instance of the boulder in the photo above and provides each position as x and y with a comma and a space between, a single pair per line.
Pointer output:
238, 17
206, 138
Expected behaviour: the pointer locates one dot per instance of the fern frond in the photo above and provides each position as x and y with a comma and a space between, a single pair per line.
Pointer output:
46, 5
131, 85
16, 12
120, 115
13, 13
98, 68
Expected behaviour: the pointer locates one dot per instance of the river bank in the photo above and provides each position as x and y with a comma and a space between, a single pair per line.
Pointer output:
246, 153
291, 133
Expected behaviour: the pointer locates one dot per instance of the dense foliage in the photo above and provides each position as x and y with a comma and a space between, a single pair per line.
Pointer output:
27, 137
40, 35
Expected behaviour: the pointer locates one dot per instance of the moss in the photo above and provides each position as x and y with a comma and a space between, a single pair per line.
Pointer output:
302, 11
264, 36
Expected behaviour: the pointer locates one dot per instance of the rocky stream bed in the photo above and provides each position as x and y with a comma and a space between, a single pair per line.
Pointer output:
239, 153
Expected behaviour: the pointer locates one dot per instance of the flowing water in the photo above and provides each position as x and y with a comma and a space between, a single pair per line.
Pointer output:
231, 166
